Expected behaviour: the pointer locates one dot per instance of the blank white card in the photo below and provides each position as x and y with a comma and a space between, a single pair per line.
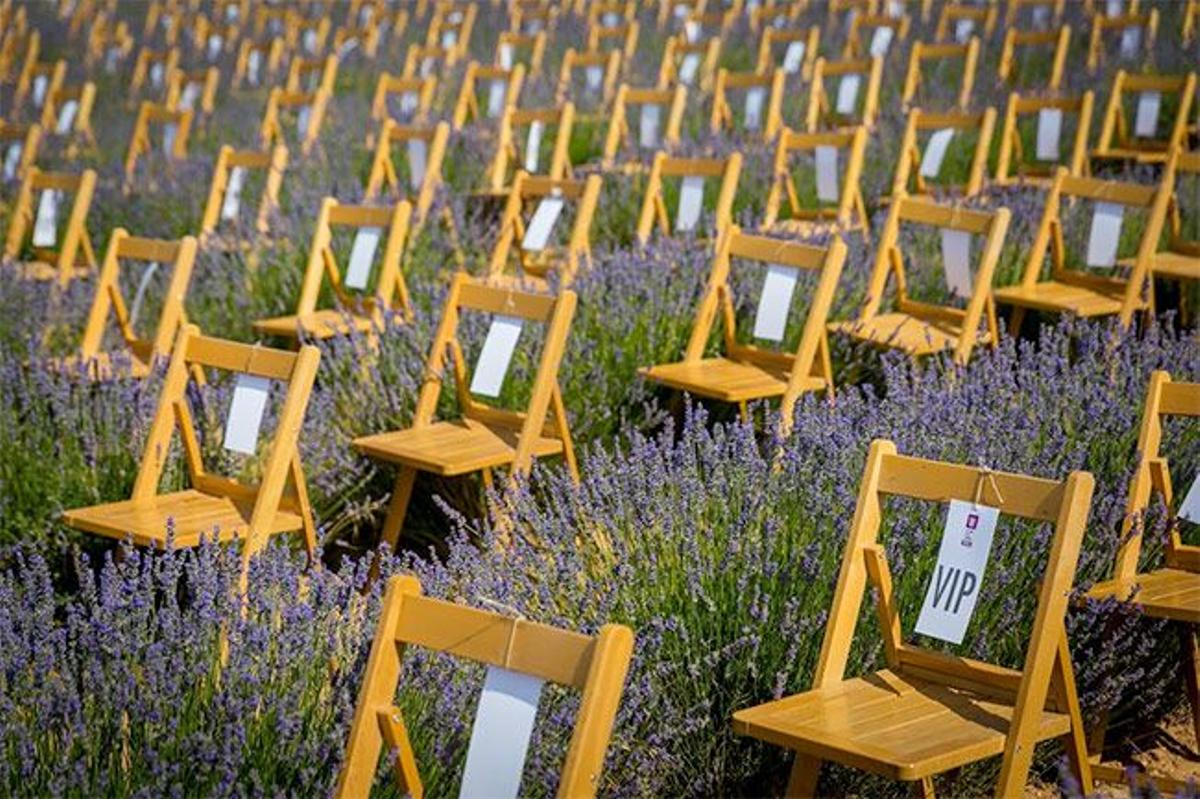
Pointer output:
793, 57
416, 162
648, 120
935, 152
826, 157
1049, 134
956, 261
495, 355
775, 301
232, 202
537, 233
1145, 121
847, 96
246, 413
1105, 234
754, 105
533, 145
45, 226
362, 256
691, 200
500, 736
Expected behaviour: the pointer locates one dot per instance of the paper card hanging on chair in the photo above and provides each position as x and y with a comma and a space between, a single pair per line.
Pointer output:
231, 204
500, 736
40, 82
449, 39
168, 138
156, 74
881, 39
847, 95
187, 98
310, 41
1049, 134
417, 151
1105, 234
408, 102
958, 576
496, 355
935, 152
793, 57
1113, 8
533, 145
139, 295
496, 91
541, 225
66, 117
1041, 17
1131, 40
506, 56
253, 62
12, 159
45, 226
362, 256
956, 261
754, 105
302, 118
688, 68
245, 416
826, 160
593, 78
1145, 123
648, 121
1190, 507
691, 201
963, 29
775, 302
215, 44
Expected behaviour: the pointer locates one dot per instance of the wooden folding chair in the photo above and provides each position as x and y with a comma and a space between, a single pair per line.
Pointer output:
1012, 69
836, 200
34, 224
450, 27
959, 22
935, 56
744, 372
35, 85
621, 37
1019, 162
150, 74
1170, 592
714, 20
276, 21
609, 13
593, 665
425, 151
1074, 290
108, 45
642, 133
792, 50
174, 128
1179, 259
165, 19
500, 86
851, 104
414, 105
220, 39
529, 50
783, 16
311, 35
920, 327
357, 308
312, 74
109, 304
217, 508
677, 10
195, 91
307, 110
537, 252
220, 224
21, 49
880, 44
601, 71
424, 62
916, 170
67, 113
258, 63
1137, 33
689, 171
484, 437
1133, 135
1043, 14
508, 160
365, 39
762, 95
526, 20
932, 711
19, 145
1191, 21
691, 64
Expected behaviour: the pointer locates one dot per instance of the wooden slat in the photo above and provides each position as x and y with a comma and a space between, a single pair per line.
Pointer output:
506, 301
139, 249
930, 213
1029, 497
777, 251
246, 358
1180, 399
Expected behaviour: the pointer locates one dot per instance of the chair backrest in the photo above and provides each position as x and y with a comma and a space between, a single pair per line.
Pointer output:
958, 22
257, 62
595, 666
622, 37
108, 44
174, 127
527, 49
369, 223
501, 87
601, 71
1015, 158
308, 109
312, 74
37, 82
513, 307
952, 223
1137, 34
194, 352
794, 50
692, 173
690, 64
678, 10
68, 112
450, 27
881, 42
921, 163
609, 13
921, 54
1042, 13
1109, 199
1182, 164
661, 128
310, 35
1063, 504
36, 223
851, 103
225, 194
19, 146
837, 196
364, 38
152, 70
761, 110
1142, 132
109, 302
194, 90
425, 150
532, 18
513, 153
416, 98
426, 61
1010, 68
529, 236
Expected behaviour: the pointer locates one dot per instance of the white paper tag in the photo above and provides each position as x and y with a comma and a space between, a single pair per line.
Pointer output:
500, 736
1041, 17
691, 31
168, 139
881, 39
364, 16
1145, 123
232, 202
1113, 8
156, 74
691, 201
215, 43
775, 302
935, 152
347, 47
1190, 507
310, 41
187, 98
963, 28
66, 117
427, 67
139, 295
417, 149
40, 82
610, 19
1131, 40
956, 261
754, 104
408, 102
497, 88
649, 115
246, 411
252, 63
957, 577
12, 159
495, 355
826, 159
506, 56
449, 39
533, 145
302, 117
362, 256
110, 59
1105, 234
541, 224
793, 57
895, 8
593, 78
682, 10
232, 12
45, 226
1049, 134
688, 68
847, 95
454, 17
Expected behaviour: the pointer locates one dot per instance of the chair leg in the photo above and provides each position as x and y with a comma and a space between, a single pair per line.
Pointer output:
1190, 654
398, 507
803, 780
924, 788
1014, 321
1075, 741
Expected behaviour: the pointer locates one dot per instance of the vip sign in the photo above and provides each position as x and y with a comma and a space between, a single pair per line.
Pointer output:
962, 560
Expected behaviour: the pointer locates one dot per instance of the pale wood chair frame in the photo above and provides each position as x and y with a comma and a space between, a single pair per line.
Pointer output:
320, 30
1014, 38
1115, 143
1057, 7
851, 211
273, 162
1076, 291
55, 73
545, 15
1045, 683
609, 62
300, 68
417, 56
208, 78
139, 143
722, 118
654, 207
559, 168
811, 37
389, 85
1148, 22
535, 43
1191, 17
270, 62
497, 437
30, 136
110, 37
363, 316
676, 49
984, 18
765, 16
854, 47
594, 665
384, 177
564, 261
74, 256
440, 23
821, 113
1011, 166
921, 328
271, 129
146, 59
81, 135
477, 77
367, 38
1180, 258
922, 52
619, 129
627, 33
596, 11
256, 511
908, 165
745, 373
667, 9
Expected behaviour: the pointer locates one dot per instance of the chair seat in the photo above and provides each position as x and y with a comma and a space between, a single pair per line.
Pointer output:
904, 332
1175, 265
1163, 594
44, 271
192, 515
321, 324
725, 379
102, 366
1131, 154
1062, 297
897, 725
452, 448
